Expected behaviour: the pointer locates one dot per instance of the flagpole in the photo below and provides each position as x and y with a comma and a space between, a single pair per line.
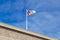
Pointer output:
27, 14
26, 21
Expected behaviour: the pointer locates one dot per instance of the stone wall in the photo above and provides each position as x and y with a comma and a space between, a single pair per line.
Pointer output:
6, 34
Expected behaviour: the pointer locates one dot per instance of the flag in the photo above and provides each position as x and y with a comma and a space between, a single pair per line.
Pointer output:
30, 12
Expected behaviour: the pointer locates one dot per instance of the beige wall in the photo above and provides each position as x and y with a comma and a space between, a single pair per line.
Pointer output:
12, 35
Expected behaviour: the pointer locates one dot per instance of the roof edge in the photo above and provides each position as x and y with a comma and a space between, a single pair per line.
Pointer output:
26, 31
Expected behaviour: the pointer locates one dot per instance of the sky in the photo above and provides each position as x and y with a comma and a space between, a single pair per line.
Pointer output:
45, 21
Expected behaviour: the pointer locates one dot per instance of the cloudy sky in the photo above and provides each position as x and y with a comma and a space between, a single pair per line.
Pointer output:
45, 21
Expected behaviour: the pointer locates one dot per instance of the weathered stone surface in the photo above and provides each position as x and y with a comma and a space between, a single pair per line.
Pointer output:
12, 35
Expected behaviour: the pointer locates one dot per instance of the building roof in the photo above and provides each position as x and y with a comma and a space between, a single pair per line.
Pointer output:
3, 25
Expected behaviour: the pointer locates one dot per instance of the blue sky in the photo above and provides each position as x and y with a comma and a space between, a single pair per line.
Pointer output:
46, 20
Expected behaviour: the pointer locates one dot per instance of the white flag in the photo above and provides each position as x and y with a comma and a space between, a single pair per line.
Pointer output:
29, 12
